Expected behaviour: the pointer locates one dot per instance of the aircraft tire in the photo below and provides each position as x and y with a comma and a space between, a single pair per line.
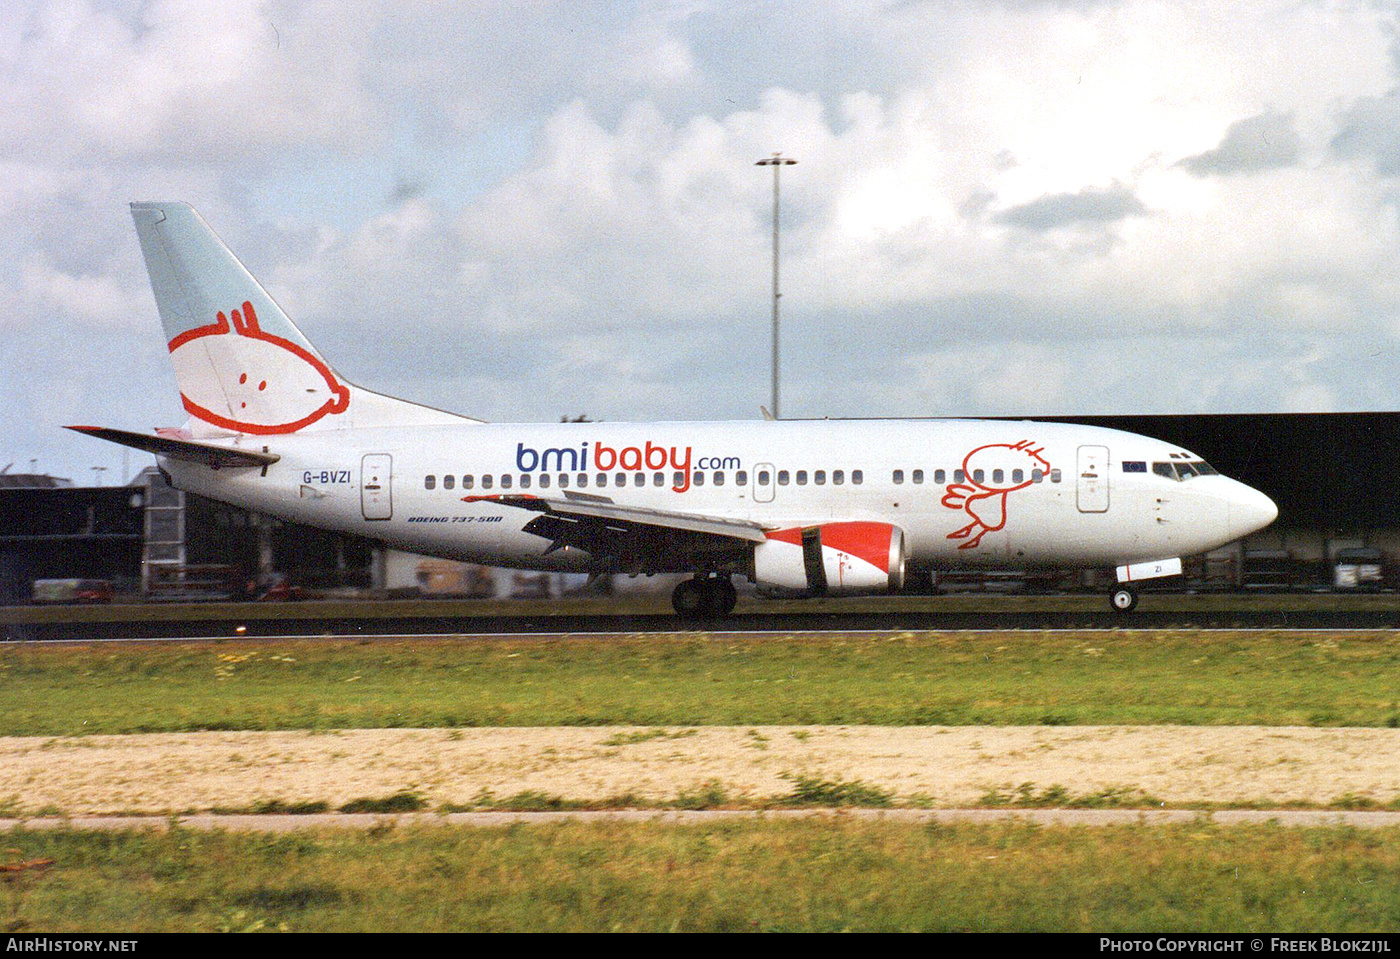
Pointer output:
1124, 599
691, 599
724, 595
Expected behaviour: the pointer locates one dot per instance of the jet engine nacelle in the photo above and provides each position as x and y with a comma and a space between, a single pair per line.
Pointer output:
832, 558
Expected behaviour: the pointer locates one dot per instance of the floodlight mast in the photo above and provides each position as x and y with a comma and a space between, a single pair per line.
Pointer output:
777, 161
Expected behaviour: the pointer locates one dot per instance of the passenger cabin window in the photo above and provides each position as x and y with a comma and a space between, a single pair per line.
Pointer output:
525, 481
898, 477
486, 481
658, 479
449, 481
782, 477
544, 481
581, 480
741, 478
801, 477
430, 482
857, 477
838, 477
998, 476
819, 477
939, 477
1054, 476
763, 477
639, 479
620, 479
678, 479
958, 476
977, 475
698, 479
1037, 475
719, 479
506, 480
563, 480
1018, 476
918, 476
601, 479
468, 481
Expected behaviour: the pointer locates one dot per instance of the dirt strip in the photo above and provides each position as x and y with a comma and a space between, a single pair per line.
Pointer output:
934, 766
1297, 818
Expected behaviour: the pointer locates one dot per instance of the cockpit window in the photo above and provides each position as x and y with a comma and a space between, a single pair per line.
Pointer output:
1180, 470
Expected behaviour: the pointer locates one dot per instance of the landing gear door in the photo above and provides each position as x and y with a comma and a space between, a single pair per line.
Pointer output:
763, 483
1093, 479
376, 486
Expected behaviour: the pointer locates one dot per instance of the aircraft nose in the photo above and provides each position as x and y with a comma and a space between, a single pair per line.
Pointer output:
1250, 510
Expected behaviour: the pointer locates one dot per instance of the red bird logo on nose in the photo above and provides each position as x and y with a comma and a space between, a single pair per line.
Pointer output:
990, 471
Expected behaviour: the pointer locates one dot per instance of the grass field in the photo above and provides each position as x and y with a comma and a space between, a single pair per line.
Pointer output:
1012, 678
737, 876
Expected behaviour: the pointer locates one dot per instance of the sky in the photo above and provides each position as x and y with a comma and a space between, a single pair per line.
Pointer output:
521, 210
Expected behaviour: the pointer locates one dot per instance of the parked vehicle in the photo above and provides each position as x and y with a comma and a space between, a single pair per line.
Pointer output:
71, 591
1359, 568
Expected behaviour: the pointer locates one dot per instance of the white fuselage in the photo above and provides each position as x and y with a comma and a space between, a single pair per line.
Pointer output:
1030, 494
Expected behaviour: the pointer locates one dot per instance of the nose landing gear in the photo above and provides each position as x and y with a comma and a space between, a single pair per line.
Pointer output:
1123, 599
704, 597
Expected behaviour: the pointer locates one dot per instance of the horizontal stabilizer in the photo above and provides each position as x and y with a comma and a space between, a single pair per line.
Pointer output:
192, 450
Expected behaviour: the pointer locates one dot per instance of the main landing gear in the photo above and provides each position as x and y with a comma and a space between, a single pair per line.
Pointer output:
1123, 599
704, 597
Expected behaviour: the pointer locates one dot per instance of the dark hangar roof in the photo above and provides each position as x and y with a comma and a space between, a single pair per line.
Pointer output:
1340, 471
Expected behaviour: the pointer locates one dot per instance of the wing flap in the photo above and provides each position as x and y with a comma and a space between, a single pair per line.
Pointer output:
631, 538
193, 451
599, 508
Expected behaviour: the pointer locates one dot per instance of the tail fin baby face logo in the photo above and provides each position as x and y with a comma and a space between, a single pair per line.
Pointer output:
992, 473
234, 375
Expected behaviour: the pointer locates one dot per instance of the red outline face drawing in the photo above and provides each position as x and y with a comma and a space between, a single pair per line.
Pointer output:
987, 508
263, 378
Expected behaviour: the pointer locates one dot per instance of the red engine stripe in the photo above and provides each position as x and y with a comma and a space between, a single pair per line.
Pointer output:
793, 536
867, 541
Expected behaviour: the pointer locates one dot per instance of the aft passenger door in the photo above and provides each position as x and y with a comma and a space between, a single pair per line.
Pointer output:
1093, 479
376, 486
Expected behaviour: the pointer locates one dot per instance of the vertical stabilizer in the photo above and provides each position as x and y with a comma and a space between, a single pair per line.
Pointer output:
241, 365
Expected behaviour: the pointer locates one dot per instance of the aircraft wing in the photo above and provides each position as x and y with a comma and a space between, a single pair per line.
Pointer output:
631, 538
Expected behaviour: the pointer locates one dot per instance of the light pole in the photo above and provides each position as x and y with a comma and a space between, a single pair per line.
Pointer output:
776, 161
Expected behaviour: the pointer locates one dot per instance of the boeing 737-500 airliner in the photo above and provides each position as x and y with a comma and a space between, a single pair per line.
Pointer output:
806, 506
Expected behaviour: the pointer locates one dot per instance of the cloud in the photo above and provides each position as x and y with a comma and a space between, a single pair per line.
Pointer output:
1091, 205
1263, 142
1370, 130
187, 80
518, 210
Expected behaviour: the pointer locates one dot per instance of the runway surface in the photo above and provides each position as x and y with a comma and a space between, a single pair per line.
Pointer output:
719, 632
652, 615
1296, 818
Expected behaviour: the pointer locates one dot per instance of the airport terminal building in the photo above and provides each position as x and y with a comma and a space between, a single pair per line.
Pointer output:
1333, 476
